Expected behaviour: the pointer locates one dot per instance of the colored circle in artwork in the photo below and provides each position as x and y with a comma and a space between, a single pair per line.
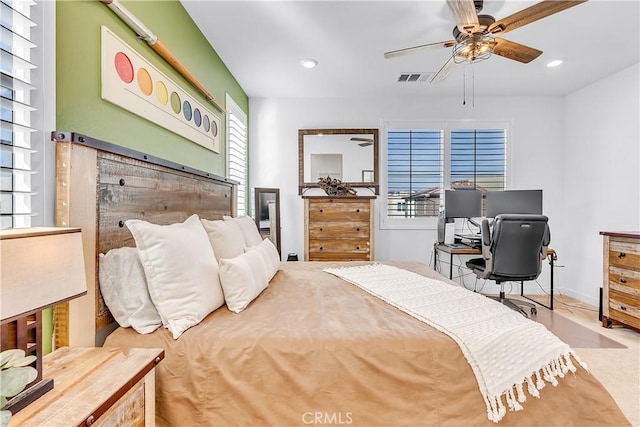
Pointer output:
186, 110
176, 103
206, 124
214, 128
197, 117
162, 95
124, 68
144, 81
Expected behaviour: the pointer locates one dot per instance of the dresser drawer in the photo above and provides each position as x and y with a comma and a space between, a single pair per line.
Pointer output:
339, 212
339, 256
620, 277
624, 253
360, 246
337, 230
624, 308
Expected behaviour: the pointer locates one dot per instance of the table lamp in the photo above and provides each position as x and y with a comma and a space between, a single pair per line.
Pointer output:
39, 267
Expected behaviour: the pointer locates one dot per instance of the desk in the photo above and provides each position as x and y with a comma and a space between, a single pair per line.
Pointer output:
467, 250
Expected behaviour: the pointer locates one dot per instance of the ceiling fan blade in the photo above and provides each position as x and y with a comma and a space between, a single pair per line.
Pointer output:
365, 144
532, 14
359, 138
516, 51
464, 11
409, 50
444, 71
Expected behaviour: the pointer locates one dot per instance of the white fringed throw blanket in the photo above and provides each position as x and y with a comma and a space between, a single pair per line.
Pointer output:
505, 349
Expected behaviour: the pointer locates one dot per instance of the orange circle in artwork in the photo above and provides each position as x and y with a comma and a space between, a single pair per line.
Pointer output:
144, 81
123, 67
161, 93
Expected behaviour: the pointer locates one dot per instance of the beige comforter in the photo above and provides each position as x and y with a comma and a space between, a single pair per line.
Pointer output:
313, 349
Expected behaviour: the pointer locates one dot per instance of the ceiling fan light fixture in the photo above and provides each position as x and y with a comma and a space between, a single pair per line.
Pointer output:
474, 49
554, 63
308, 62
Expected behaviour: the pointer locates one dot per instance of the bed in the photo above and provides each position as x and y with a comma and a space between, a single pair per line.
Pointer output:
311, 348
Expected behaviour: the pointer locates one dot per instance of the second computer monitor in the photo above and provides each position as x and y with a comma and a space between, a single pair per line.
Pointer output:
462, 203
513, 202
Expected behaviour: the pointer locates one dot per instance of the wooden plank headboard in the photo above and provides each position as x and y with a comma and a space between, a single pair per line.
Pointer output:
99, 186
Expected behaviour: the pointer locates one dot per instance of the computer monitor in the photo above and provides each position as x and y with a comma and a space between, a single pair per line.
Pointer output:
513, 202
462, 203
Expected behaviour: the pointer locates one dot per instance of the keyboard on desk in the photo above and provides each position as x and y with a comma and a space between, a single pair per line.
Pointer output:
471, 237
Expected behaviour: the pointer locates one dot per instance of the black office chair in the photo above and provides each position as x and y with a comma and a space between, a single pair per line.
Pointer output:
513, 252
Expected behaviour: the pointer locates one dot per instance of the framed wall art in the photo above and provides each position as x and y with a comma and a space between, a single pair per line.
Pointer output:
131, 82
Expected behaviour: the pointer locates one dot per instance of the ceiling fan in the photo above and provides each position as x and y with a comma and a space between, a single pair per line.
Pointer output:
475, 35
364, 141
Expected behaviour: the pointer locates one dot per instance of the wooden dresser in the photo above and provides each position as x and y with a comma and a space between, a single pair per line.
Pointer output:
621, 279
338, 228
96, 386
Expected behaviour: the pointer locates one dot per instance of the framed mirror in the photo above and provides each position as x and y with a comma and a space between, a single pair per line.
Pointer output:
351, 155
267, 214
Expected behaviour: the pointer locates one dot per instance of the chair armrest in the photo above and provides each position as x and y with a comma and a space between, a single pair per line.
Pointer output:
485, 234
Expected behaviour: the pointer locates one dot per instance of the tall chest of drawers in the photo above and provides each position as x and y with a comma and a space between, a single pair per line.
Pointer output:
339, 228
621, 279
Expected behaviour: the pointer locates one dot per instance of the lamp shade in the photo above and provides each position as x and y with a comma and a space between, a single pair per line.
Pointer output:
39, 267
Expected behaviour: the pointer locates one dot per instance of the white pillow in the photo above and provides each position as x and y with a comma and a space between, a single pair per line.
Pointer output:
269, 255
242, 279
225, 237
181, 271
124, 289
249, 229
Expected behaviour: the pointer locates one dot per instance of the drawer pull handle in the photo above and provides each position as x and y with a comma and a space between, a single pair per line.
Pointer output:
622, 255
90, 420
321, 210
623, 308
623, 280
358, 229
357, 210
320, 247
320, 228
357, 248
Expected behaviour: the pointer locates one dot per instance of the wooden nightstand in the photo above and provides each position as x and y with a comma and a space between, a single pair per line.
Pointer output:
96, 386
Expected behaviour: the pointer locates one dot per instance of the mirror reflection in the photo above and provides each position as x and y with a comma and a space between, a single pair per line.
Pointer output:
267, 214
349, 155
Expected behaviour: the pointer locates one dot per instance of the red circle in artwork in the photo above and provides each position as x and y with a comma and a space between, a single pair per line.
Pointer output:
124, 67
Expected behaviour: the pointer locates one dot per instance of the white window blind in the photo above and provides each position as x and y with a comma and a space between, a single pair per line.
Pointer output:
421, 163
237, 151
18, 145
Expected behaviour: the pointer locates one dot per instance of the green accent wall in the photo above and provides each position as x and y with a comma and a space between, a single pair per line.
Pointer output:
80, 107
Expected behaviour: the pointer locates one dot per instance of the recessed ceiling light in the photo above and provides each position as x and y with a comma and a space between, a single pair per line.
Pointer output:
554, 63
309, 62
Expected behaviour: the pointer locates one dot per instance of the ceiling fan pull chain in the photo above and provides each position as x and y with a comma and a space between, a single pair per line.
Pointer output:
473, 86
464, 86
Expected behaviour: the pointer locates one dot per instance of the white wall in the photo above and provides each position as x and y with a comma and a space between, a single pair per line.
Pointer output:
535, 158
601, 177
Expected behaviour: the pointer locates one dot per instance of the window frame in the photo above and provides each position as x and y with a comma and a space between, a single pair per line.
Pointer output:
43, 118
234, 108
390, 223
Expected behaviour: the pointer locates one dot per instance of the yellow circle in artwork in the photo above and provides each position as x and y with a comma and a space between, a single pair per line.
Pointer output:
144, 81
161, 93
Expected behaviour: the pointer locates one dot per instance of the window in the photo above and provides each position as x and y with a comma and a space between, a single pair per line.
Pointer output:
422, 161
237, 151
25, 112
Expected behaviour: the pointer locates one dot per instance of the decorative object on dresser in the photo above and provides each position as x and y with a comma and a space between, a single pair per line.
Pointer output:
41, 267
339, 228
621, 279
350, 155
335, 187
103, 385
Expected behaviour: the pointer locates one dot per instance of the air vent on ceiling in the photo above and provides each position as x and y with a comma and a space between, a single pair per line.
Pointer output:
415, 77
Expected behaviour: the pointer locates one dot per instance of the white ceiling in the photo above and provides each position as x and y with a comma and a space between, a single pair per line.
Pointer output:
262, 43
